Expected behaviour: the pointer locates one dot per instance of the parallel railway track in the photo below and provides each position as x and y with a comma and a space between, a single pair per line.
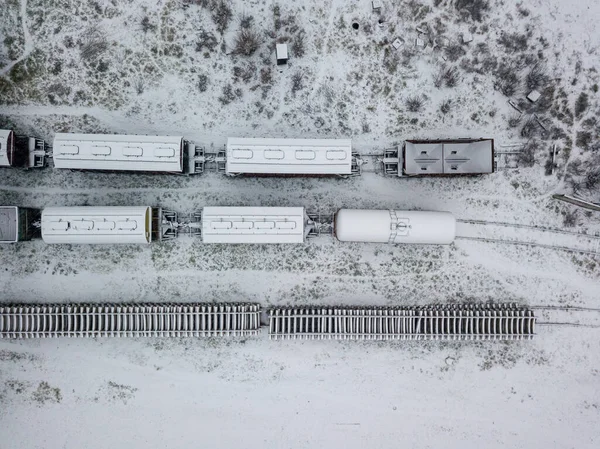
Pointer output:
527, 235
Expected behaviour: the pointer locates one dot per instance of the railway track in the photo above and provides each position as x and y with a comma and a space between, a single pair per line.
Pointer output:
146, 320
443, 322
527, 235
567, 316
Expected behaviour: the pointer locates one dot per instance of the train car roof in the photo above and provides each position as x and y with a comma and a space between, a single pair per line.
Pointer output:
97, 225
289, 156
253, 224
461, 156
9, 224
4, 135
118, 152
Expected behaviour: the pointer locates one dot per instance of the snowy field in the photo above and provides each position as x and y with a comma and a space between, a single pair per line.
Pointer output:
162, 67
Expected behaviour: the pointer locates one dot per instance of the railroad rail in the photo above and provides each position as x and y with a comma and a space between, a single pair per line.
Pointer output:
528, 235
135, 320
443, 322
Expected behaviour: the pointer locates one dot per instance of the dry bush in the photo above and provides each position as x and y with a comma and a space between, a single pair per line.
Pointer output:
507, 80
298, 47
447, 76
514, 42
139, 84
206, 40
445, 106
475, 8
247, 42
221, 14
514, 120
526, 157
536, 77
94, 45
414, 103
581, 104
202, 82
297, 82
454, 52
228, 95
571, 218
246, 21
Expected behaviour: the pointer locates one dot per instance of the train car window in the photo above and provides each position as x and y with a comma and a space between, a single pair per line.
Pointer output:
164, 152
273, 154
242, 154
285, 225
220, 225
82, 225
129, 225
336, 155
69, 149
264, 225
100, 150
305, 155
104, 225
133, 151
242, 224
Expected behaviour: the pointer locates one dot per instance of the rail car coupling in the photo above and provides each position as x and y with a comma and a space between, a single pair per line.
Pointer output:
443, 322
133, 320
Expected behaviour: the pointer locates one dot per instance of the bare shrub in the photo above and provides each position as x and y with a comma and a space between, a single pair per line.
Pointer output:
529, 128
571, 218
447, 76
526, 157
514, 120
507, 80
445, 106
475, 8
228, 95
536, 77
390, 61
221, 14
247, 42
202, 82
147, 25
246, 21
298, 48
266, 76
139, 85
583, 139
297, 82
454, 52
514, 42
414, 103
206, 40
581, 104
592, 179
94, 45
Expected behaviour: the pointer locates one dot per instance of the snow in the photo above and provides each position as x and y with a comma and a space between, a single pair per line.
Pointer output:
258, 393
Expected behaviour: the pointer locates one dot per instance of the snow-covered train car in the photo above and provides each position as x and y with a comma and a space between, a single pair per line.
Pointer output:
21, 151
394, 226
441, 158
253, 224
16, 223
278, 157
105, 225
167, 154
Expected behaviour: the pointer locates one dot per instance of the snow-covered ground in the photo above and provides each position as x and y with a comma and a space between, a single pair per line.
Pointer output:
140, 67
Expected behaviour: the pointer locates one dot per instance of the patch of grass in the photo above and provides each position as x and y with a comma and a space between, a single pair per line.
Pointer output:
297, 82
445, 106
414, 103
475, 9
454, 52
581, 104
514, 42
206, 40
94, 45
526, 157
228, 95
221, 14
298, 45
46, 393
202, 82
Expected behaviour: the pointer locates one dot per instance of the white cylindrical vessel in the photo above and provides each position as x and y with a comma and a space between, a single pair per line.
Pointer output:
392, 226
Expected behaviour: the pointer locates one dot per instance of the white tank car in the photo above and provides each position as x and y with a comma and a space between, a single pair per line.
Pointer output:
97, 225
395, 226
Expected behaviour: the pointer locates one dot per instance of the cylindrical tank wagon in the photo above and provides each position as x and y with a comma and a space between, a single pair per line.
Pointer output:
394, 226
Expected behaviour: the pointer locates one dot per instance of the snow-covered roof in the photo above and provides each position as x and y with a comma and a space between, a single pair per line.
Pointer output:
395, 226
9, 224
253, 224
449, 157
97, 225
282, 51
5, 141
118, 152
289, 156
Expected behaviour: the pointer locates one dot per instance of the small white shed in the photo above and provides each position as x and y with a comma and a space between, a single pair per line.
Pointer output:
281, 52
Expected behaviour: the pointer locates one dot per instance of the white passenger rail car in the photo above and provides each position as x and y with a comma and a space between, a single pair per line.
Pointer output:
106, 225
281, 157
166, 154
253, 224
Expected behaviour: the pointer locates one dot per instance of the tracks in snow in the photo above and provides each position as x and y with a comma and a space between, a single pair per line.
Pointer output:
527, 235
567, 316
